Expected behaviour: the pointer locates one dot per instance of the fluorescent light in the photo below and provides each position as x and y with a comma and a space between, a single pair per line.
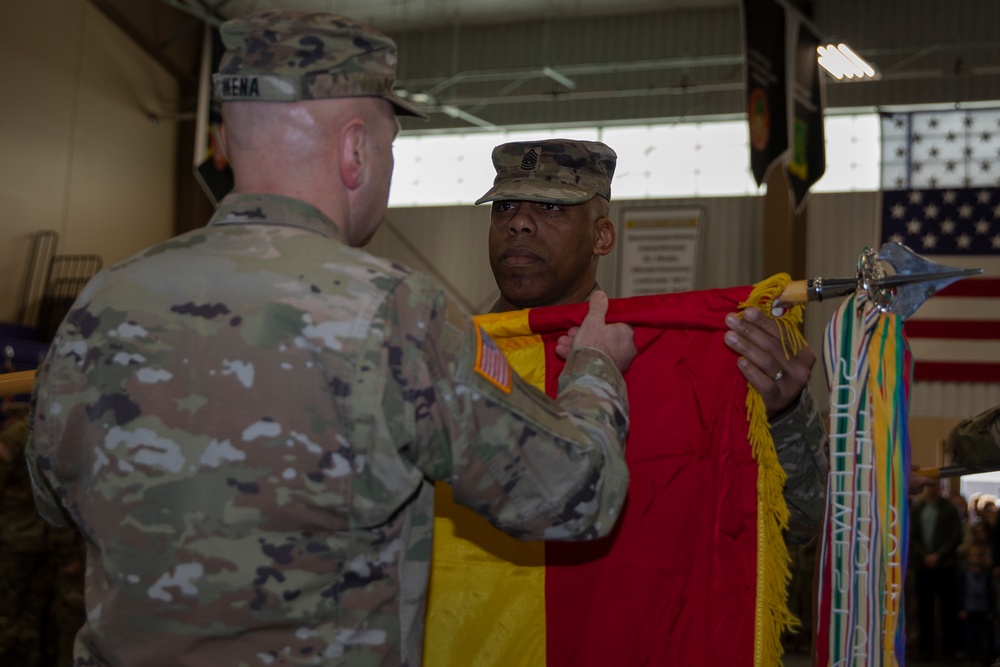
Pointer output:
842, 62
858, 61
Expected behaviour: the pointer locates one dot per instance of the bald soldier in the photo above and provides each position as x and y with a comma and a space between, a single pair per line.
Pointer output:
245, 421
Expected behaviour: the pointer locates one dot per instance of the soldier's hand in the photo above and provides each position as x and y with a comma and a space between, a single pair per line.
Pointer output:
757, 339
615, 340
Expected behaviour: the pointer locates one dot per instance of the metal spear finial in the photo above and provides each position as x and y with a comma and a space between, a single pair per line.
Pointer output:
913, 280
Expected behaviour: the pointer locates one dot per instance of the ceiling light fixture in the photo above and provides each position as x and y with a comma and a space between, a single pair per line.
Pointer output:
843, 63
421, 98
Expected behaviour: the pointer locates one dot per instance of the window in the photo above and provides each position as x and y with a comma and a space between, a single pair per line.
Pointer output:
655, 161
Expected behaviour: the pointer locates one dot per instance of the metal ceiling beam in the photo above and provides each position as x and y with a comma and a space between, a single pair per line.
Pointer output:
576, 96
438, 84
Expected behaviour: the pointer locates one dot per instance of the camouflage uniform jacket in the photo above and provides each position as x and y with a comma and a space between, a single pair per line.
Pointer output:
974, 442
245, 421
802, 446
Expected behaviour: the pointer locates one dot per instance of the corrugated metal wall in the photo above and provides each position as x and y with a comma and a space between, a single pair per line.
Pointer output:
494, 71
686, 63
683, 64
927, 51
450, 243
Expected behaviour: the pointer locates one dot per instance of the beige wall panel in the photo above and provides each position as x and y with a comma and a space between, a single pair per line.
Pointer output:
927, 440
38, 89
77, 154
448, 243
121, 196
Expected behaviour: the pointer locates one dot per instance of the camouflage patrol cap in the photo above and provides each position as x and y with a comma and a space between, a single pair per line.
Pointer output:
554, 171
287, 56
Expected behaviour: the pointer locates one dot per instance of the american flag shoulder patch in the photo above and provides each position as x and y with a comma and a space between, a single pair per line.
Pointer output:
491, 363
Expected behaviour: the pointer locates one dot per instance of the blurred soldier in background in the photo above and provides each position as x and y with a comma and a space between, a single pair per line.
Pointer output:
41, 567
22, 548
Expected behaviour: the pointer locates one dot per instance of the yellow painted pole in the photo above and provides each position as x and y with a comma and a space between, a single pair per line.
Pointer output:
945, 472
13, 384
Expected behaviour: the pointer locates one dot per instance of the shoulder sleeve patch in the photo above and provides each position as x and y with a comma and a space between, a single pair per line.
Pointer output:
491, 362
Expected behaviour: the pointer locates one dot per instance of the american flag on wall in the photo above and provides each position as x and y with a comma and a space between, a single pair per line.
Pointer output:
941, 198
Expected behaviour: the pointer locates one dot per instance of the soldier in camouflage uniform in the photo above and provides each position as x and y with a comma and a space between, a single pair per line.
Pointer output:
974, 442
245, 421
23, 584
549, 227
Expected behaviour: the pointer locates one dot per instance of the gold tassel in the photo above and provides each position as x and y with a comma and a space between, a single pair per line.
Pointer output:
772, 615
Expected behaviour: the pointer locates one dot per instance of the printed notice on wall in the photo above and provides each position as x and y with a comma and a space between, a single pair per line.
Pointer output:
659, 250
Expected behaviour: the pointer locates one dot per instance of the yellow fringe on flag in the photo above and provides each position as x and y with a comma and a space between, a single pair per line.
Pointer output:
772, 615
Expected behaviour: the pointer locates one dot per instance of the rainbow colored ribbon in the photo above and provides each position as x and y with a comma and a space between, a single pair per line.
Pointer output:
866, 529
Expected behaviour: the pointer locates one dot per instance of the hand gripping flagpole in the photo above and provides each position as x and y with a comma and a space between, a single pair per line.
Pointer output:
862, 560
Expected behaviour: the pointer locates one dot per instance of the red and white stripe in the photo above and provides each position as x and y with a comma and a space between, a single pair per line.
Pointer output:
955, 335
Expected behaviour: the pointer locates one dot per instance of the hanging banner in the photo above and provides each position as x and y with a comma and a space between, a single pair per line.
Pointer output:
765, 80
807, 162
659, 251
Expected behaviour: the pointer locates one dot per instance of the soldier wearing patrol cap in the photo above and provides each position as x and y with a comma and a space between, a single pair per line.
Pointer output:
549, 223
549, 226
245, 421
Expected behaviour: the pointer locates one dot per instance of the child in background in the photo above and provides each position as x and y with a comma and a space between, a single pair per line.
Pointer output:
976, 603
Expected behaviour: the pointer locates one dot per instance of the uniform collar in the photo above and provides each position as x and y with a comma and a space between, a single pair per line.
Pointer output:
267, 209
496, 304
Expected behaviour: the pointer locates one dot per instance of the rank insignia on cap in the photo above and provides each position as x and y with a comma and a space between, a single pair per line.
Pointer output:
530, 159
491, 362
